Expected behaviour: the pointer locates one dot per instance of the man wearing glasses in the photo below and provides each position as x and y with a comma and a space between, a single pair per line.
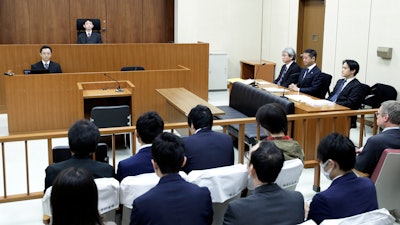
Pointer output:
388, 119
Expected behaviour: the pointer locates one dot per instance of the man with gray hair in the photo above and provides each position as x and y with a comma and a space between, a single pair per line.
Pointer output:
388, 119
290, 70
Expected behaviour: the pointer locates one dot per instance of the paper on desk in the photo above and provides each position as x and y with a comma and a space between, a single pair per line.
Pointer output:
247, 81
275, 89
319, 102
298, 98
263, 82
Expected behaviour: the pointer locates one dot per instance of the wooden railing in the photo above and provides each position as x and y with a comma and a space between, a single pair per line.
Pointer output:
303, 118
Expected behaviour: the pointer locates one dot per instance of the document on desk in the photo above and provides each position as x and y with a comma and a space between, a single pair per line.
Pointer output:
319, 102
299, 98
275, 89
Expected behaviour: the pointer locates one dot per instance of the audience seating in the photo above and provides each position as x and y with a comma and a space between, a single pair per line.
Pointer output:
387, 179
244, 101
375, 217
225, 184
288, 177
108, 193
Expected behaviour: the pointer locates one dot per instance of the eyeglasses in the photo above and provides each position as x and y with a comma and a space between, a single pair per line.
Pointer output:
377, 114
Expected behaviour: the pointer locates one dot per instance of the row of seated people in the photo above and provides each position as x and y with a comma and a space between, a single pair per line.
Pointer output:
334, 164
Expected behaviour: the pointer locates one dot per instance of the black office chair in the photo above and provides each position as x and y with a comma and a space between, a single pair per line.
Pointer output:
111, 116
326, 82
380, 93
80, 22
62, 153
132, 68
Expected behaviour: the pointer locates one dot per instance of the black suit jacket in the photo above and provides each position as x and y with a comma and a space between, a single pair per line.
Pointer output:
95, 38
351, 96
312, 83
288, 78
53, 67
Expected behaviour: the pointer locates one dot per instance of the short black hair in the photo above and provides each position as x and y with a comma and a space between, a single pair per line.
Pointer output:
338, 148
149, 125
267, 160
168, 152
312, 52
45, 46
74, 198
273, 118
83, 137
201, 117
353, 65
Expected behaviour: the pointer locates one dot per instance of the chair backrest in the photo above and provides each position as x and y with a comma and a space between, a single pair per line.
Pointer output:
80, 22
326, 82
375, 217
108, 195
386, 177
380, 93
61, 153
132, 68
288, 177
111, 116
223, 182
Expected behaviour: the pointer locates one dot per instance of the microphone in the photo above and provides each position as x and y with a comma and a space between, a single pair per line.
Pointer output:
256, 73
283, 94
118, 89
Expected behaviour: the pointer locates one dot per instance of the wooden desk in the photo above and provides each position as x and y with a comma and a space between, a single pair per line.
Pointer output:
179, 103
254, 69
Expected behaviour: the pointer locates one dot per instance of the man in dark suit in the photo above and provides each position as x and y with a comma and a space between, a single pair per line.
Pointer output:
348, 91
46, 64
269, 203
290, 71
348, 195
148, 126
205, 148
173, 200
83, 137
310, 80
89, 37
388, 119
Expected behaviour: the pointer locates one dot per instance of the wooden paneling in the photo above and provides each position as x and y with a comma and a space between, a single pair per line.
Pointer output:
156, 20
52, 97
80, 10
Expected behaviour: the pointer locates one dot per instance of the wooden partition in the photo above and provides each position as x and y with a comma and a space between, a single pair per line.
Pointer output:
82, 63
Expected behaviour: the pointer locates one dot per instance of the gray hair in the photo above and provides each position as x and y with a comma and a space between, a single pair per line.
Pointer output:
291, 52
392, 108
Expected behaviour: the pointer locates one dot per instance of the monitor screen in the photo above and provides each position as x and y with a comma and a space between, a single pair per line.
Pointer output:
36, 71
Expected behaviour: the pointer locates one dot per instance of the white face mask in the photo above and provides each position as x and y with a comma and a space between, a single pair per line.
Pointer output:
326, 173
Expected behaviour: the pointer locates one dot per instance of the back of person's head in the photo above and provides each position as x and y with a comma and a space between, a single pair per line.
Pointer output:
74, 198
338, 148
311, 52
201, 117
44, 47
392, 108
353, 65
267, 161
273, 118
291, 53
168, 152
83, 137
149, 125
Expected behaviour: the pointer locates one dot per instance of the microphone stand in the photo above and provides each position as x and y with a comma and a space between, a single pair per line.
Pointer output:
118, 89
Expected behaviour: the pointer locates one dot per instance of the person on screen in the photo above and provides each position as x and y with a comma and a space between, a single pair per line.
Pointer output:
46, 63
89, 37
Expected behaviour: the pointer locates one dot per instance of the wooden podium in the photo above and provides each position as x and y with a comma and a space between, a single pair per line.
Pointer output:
104, 93
256, 69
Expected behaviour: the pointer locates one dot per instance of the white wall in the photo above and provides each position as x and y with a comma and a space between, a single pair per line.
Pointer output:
353, 30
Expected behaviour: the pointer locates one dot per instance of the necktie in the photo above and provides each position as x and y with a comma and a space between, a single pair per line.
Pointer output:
88, 35
336, 95
305, 74
283, 75
46, 66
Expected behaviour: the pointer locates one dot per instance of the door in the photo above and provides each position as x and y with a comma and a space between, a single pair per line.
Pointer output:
311, 27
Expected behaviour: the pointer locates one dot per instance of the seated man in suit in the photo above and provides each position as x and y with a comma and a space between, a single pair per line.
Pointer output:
310, 79
83, 137
89, 37
290, 71
269, 203
205, 148
388, 119
348, 91
348, 195
272, 117
45, 63
173, 200
148, 126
